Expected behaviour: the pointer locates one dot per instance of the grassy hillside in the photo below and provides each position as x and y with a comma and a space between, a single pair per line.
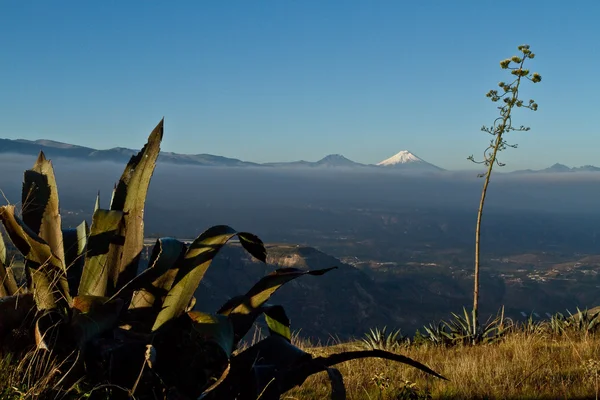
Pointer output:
523, 366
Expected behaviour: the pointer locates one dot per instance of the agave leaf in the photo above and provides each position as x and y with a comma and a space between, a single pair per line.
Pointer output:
213, 327
469, 325
296, 375
42, 288
273, 350
75, 243
40, 205
243, 310
87, 303
104, 235
97, 204
130, 198
253, 245
153, 284
338, 390
8, 284
278, 321
2, 250
112, 194
191, 270
258, 371
92, 316
299, 374
48, 276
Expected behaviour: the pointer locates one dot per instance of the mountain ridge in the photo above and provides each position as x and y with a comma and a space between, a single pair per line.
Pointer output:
559, 168
401, 161
121, 154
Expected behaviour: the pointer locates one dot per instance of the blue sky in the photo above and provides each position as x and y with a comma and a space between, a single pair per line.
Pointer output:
286, 80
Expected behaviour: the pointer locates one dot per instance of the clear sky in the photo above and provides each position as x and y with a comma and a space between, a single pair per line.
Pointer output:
283, 80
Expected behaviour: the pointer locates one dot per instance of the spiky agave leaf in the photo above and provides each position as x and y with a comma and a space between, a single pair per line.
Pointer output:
217, 329
213, 327
48, 277
243, 310
129, 197
92, 316
152, 285
277, 321
338, 389
75, 244
104, 236
194, 264
97, 203
41, 211
8, 284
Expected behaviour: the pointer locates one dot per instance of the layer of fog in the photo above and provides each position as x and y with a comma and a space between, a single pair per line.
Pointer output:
211, 195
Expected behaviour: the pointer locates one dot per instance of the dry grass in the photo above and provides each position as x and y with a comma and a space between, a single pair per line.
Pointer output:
521, 367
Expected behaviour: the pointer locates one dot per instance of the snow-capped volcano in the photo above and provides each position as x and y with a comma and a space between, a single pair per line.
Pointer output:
407, 160
402, 157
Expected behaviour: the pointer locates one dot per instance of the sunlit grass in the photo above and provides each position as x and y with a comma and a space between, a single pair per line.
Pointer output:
520, 367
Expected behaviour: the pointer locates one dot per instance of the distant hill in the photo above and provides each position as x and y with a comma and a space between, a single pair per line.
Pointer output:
560, 168
330, 161
117, 154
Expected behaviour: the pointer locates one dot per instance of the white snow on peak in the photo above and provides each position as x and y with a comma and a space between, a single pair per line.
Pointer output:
402, 157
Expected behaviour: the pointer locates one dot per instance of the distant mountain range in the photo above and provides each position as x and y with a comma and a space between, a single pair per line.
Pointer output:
559, 168
403, 160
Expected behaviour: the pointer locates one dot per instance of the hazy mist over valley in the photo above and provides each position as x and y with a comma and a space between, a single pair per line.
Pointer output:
252, 196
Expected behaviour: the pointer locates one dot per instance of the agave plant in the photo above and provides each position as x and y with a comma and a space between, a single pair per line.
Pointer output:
379, 339
559, 324
138, 330
438, 334
533, 327
463, 330
584, 322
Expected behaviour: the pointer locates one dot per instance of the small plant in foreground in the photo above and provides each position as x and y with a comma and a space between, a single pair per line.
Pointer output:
377, 339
